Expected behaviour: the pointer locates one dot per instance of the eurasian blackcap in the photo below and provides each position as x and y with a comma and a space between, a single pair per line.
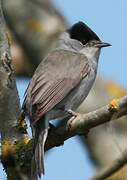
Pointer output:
61, 83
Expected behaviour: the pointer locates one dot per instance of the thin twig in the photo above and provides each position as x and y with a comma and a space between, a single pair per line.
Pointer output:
84, 122
113, 167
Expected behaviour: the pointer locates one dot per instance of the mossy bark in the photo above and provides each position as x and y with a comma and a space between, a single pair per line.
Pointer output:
14, 155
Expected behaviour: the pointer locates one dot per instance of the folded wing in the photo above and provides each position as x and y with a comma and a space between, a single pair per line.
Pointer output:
54, 78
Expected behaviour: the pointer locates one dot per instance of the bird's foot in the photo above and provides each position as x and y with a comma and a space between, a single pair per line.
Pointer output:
73, 124
72, 113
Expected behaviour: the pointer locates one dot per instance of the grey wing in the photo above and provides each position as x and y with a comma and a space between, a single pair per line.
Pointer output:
53, 80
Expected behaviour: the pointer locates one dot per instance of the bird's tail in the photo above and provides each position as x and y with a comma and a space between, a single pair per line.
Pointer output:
37, 168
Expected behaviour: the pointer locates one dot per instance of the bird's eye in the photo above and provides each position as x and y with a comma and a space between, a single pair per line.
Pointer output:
83, 42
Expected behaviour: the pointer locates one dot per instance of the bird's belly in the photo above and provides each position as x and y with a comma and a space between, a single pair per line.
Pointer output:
74, 98
78, 95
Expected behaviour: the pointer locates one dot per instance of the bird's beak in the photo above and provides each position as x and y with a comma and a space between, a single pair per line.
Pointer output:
102, 44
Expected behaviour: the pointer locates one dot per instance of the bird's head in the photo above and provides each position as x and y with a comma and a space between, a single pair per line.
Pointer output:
89, 39
81, 32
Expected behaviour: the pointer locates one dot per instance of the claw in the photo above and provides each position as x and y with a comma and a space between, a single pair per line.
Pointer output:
72, 113
73, 118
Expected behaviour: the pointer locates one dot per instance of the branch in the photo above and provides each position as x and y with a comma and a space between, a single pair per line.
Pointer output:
113, 167
84, 122
9, 100
9, 111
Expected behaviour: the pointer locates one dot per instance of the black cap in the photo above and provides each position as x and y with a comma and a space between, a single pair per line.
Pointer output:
80, 31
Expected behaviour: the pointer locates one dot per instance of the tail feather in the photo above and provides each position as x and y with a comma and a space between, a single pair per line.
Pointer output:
38, 158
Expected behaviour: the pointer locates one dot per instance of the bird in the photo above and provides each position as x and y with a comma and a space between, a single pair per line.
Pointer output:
60, 84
